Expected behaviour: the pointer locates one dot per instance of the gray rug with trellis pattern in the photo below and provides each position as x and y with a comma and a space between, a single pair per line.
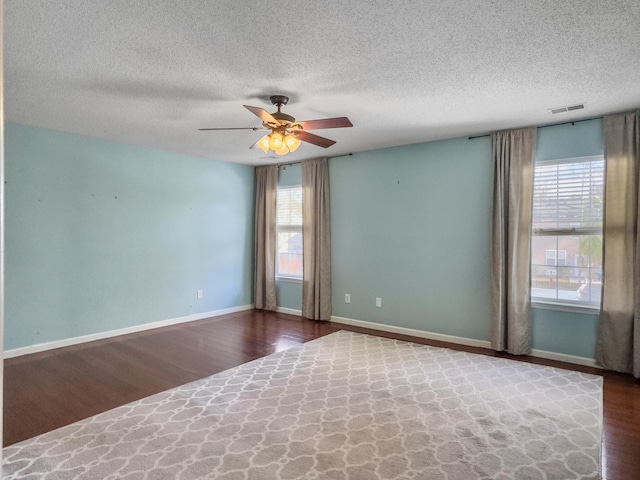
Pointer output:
345, 406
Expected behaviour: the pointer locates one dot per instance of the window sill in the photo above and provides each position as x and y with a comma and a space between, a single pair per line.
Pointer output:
566, 307
280, 278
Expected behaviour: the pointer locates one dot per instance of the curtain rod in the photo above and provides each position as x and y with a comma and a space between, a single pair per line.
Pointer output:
285, 165
572, 122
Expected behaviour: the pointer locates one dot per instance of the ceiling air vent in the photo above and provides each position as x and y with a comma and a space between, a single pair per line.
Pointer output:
570, 108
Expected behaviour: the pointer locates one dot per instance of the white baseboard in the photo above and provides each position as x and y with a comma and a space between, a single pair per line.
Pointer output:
290, 311
41, 347
470, 342
563, 357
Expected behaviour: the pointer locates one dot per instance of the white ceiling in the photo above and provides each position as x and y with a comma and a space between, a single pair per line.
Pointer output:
151, 72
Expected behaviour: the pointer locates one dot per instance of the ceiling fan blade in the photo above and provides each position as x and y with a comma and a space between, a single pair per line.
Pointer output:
338, 122
255, 129
314, 139
262, 114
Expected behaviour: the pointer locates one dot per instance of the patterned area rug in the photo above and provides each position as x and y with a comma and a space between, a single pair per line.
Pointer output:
345, 406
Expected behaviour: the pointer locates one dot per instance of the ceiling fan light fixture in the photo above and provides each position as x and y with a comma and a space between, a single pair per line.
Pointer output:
292, 143
283, 150
275, 141
263, 143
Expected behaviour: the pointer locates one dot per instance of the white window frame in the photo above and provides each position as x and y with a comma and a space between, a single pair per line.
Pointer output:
296, 228
563, 304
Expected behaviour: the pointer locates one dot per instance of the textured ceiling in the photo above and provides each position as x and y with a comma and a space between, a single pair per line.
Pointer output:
152, 72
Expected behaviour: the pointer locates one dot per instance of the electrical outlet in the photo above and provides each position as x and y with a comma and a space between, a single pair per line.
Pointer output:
347, 298
199, 294
378, 302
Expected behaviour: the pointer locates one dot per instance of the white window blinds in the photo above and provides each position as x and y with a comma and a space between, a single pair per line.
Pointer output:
289, 232
568, 196
289, 206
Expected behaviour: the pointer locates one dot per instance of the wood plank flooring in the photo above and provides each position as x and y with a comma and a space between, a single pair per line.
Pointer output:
51, 389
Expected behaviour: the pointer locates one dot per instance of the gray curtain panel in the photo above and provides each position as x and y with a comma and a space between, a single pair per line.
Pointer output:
264, 293
513, 154
618, 346
316, 238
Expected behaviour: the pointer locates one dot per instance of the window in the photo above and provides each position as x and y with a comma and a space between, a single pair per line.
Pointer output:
289, 232
566, 247
556, 257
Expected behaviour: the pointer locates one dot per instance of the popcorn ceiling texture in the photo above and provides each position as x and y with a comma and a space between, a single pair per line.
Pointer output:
152, 72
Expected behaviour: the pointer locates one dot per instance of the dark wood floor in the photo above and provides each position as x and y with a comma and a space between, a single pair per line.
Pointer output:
51, 389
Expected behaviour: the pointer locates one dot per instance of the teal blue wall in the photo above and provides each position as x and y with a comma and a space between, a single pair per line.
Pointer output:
290, 175
565, 332
102, 235
581, 139
289, 292
411, 225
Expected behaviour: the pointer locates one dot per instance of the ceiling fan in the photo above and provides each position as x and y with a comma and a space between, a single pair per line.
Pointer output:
287, 134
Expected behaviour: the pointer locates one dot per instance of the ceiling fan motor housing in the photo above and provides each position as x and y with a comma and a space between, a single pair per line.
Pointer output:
284, 120
279, 100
